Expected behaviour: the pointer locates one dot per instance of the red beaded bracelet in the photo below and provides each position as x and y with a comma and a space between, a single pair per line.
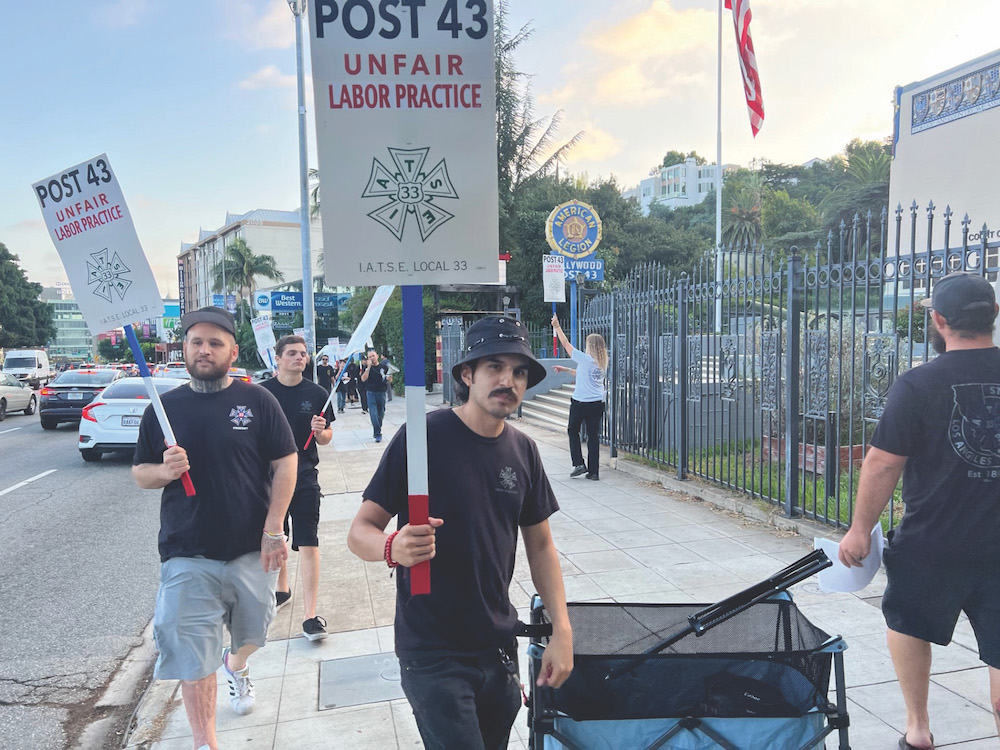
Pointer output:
388, 550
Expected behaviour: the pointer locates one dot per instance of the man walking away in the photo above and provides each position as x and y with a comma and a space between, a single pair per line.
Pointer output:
940, 431
301, 402
220, 550
456, 645
375, 376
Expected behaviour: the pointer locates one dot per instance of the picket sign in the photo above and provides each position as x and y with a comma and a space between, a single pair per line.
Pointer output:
91, 227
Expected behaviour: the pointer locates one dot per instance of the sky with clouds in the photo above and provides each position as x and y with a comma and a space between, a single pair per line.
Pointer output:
194, 100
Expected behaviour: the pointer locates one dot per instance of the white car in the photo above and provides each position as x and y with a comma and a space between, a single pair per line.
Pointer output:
15, 395
111, 421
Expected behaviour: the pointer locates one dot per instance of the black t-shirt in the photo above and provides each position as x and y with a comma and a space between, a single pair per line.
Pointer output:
944, 416
484, 489
299, 403
231, 437
376, 378
324, 375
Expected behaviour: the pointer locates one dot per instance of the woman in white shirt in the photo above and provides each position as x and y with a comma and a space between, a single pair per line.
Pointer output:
587, 406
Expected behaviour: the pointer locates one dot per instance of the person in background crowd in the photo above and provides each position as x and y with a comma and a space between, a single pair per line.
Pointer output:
343, 384
354, 371
587, 405
301, 402
374, 375
388, 380
324, 374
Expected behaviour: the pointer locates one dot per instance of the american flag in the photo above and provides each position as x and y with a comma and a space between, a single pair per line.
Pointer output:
748, 62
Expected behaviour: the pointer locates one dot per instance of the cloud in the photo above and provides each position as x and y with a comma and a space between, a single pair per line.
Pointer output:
30, 224
124, 13
272, 27
269, 77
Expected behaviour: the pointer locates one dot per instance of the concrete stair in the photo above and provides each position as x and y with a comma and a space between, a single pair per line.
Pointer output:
551, 408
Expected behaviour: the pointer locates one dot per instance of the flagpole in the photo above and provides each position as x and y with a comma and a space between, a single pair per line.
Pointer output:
718, 181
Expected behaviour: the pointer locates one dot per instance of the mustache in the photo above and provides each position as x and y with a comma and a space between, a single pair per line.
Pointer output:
503, 392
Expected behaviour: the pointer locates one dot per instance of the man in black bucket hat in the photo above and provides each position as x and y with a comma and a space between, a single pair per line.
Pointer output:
456, 645
940, 429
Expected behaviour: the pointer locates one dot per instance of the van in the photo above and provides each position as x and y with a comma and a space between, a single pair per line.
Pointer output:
28, 365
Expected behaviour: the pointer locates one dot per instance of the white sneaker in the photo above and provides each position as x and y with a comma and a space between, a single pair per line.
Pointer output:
240, 687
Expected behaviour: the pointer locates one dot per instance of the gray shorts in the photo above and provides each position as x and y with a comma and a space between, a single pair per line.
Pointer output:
196, 598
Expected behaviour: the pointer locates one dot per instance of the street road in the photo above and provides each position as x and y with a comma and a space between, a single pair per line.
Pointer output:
80, 571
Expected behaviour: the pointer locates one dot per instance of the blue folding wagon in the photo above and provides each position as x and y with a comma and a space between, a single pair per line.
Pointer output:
748, 673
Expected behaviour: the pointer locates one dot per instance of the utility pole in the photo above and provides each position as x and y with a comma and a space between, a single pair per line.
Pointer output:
308, 309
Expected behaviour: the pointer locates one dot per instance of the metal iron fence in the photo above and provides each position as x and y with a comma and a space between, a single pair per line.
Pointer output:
770, 379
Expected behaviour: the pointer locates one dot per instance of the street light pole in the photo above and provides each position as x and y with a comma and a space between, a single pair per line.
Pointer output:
308, 311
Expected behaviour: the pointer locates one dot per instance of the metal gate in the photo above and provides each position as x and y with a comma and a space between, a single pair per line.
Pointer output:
770, 379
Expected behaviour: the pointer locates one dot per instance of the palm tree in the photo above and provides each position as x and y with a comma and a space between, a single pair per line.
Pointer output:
741, 223
240, 267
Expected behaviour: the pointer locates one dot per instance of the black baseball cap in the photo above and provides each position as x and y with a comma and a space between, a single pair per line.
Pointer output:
499, 335
962, 296
214, 315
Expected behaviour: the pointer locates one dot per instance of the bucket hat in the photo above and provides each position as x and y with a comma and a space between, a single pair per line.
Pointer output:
214, 315
499, 335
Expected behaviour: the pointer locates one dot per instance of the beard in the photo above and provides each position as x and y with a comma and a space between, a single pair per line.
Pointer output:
206, 370
937, 340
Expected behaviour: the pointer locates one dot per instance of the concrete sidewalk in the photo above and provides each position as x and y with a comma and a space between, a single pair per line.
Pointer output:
636, 535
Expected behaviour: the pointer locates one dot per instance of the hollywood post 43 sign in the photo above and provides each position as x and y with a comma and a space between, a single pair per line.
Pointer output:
405, 98
91, 227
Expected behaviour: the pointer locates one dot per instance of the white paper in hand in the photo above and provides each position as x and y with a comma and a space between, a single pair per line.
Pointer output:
839, 577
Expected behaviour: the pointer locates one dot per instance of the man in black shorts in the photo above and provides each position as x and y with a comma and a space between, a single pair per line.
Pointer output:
221, 549
456, 645
301, 401
941, 431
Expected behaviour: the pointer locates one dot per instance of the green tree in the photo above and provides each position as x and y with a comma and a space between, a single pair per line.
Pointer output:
782, 215
525, 149
25, 321
741, 224
677, 157
241, 268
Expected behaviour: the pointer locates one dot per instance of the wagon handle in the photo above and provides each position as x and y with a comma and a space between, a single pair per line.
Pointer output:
704, 620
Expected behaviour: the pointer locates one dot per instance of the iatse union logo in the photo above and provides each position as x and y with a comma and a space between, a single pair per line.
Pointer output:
240, 416
411, 191
508, 478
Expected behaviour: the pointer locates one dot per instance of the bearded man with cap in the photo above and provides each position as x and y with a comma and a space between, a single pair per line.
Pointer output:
456, 645
220, 550
941, 430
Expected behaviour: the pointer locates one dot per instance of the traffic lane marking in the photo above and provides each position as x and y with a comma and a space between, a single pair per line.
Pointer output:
27, 481
12, 429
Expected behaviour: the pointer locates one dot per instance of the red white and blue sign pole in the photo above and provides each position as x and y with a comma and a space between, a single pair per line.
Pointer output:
154, 398
416, 424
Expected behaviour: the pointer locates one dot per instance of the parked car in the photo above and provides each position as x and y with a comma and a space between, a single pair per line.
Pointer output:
239, 373
15, 395
173, 372
111, 421
64, 398
263, 374
28, 365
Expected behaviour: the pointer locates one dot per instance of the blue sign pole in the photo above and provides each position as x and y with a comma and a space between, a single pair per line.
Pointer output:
572, 313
